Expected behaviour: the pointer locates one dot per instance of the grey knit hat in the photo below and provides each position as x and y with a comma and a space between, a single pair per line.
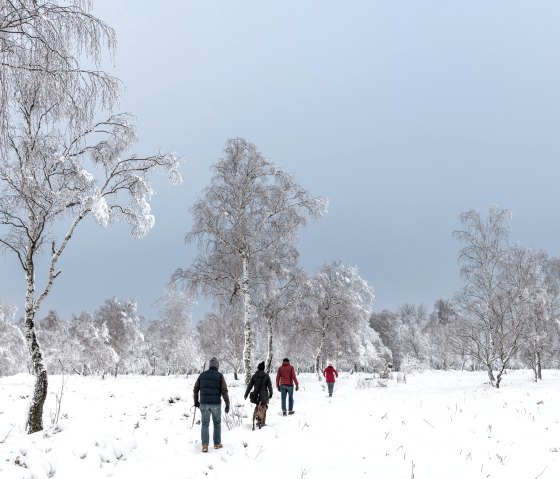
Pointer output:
214, 363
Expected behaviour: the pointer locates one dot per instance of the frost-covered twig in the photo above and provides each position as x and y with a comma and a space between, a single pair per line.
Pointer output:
542, 472
428, 424
234, 419
55, 417
6, 437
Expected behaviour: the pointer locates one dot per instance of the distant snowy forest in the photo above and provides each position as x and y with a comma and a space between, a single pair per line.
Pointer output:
505, 316
60, 163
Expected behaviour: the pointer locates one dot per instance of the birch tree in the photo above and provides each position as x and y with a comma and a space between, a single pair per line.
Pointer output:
495, 298
279, 292
543, 289
342, 301
251, 211
57, 165
44, 183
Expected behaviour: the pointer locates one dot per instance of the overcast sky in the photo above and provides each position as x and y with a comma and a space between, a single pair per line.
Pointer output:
403, 114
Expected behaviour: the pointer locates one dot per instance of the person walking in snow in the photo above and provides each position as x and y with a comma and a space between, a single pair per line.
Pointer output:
262, 384
212, 388
285, 380
330, 374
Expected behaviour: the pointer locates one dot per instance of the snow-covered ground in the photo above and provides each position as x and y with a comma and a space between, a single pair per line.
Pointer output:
434, 425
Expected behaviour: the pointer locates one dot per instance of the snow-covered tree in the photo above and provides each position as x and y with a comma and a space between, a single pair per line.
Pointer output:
280, 291
52, 333
221, 336
172, 341
341, 302
250, 213
494, 301
48, 40
121, 320
291, 341
91, 341
438, 333
13, 353
57, 165
542, 290
390, 328
414, 319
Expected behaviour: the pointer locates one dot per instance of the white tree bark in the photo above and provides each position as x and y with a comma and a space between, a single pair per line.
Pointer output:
246, 320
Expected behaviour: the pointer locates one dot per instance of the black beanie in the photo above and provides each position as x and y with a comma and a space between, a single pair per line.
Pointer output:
261, 366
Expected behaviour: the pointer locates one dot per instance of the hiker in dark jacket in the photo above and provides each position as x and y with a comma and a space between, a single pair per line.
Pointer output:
285, 380
212, 388
262, 384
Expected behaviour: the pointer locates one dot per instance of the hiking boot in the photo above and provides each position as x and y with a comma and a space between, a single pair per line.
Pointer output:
205, 448
291, 412
218, 446
284, 413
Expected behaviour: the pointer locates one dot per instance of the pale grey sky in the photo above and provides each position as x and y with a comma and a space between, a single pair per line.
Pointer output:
403, 114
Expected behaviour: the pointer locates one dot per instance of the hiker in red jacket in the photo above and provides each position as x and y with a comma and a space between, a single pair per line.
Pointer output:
330, 373
285, 380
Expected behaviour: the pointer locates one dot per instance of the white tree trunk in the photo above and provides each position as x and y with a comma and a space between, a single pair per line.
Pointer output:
268, 363
246, 320
35, 413
538, 367
320, 348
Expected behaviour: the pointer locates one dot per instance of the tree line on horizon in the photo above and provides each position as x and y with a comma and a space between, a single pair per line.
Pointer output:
514, 325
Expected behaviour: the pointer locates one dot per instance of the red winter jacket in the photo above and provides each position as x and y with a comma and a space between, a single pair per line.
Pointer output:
286, 375
330, 373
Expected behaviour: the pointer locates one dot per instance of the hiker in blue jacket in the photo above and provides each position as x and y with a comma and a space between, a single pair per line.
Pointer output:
212, 387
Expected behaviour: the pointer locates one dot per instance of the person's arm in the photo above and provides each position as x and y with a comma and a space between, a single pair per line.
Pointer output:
224, 390
294, 377
269, 385
196, 389
249, 387
278, 379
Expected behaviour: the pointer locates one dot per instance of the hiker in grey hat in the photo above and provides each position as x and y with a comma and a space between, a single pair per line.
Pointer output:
212, 388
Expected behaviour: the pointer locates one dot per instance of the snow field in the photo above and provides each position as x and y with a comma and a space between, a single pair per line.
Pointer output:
434, 425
